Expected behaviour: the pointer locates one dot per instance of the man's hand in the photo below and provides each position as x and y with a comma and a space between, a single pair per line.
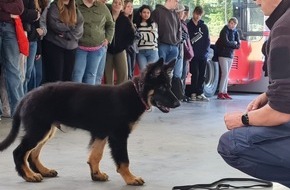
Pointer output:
257, 103
233, 120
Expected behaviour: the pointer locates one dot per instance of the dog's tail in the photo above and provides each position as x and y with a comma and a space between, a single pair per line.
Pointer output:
13, 131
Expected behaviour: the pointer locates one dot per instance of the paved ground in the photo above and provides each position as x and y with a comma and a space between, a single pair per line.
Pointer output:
171, 149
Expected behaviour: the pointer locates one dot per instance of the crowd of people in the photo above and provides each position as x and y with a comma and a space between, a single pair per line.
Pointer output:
83, 40
93, 42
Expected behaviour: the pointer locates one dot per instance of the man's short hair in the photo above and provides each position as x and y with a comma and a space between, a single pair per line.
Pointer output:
198, 10
234, 20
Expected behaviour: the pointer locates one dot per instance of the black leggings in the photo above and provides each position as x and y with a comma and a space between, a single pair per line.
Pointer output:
58, 63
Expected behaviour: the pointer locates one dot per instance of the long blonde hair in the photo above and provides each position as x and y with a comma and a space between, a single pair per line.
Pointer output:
68, 13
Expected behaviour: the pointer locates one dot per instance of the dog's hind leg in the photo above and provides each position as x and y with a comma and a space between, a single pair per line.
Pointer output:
95, 158
34, 161
119, 152
30, 140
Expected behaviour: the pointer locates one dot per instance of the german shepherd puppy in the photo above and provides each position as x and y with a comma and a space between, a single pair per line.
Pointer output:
107, 112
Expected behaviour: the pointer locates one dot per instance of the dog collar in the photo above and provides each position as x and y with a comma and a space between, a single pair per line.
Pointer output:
138, 92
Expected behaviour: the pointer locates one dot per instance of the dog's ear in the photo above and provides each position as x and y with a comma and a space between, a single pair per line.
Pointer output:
168, 68
157, 67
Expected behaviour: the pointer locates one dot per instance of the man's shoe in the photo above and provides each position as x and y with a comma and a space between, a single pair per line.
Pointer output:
227, 96
221, 96
202, 97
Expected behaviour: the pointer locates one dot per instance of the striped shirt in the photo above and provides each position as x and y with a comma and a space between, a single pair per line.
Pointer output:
149, 36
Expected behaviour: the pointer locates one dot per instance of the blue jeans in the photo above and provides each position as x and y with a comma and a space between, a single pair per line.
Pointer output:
146, 56
36, 75
168, 52
262, 152
101, 68
29, 65
177, 72
86, 65
9, 52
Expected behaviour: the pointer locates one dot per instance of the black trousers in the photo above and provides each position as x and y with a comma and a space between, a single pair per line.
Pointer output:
197, 69
58, 63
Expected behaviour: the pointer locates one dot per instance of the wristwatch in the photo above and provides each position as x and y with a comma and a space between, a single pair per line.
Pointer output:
245, 119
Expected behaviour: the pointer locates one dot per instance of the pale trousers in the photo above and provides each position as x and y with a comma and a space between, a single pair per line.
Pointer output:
225, 65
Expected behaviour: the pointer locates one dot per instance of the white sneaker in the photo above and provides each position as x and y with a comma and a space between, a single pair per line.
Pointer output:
202, 97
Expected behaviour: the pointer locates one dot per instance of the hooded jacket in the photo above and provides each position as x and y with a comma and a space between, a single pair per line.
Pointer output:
169, 26
199, 37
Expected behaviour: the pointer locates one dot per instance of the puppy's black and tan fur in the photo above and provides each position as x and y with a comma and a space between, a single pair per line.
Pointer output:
107, 112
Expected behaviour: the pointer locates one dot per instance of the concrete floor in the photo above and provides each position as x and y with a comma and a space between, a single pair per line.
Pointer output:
178, 148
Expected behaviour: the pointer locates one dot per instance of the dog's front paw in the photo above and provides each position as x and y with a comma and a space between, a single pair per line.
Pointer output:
49, 173
99, 176
135, 181
35, 177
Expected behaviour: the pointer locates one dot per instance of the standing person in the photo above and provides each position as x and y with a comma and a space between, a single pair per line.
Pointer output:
30, 19
98, 33
9, 51
132, 49
227, 42
169, 29
188, 53
148, 43
64, 29
199, 37
258, 139
123, 38
36, 74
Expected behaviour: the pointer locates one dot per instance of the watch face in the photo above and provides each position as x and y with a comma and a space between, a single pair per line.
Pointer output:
245, 119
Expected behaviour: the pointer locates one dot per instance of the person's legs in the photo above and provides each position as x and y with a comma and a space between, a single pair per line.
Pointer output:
93, 60
152, 56
38, 71
69, 62
101, 68
162, 50
121, 67
10, 60
53, 61
201, 76
109, 69
172, 53
223, 61
142, 60
80, 65
194, 70
262, 152
29, 65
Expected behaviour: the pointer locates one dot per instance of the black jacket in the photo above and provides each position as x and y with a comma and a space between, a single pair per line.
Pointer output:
28, 18
124, 35
227, 42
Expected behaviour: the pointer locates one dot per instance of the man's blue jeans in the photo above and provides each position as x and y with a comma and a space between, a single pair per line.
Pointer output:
9, 52
168, 52
86, 65
261, 152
